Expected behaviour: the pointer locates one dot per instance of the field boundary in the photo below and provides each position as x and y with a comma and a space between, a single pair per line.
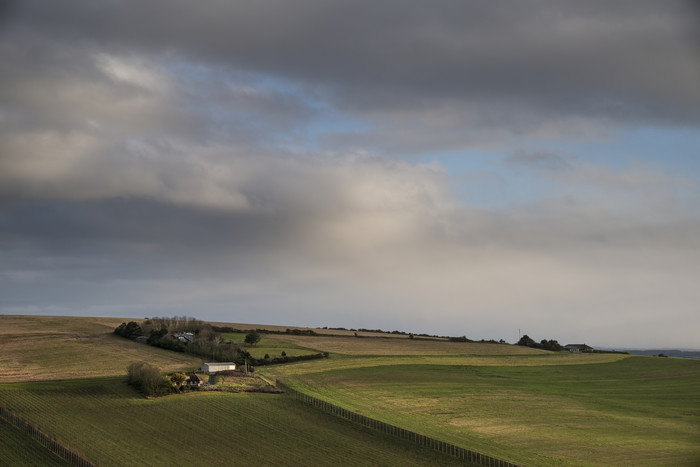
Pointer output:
45, 440
407, 435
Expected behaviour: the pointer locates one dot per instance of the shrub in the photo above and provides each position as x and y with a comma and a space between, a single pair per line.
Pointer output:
129, 330
148, 379
459, 339
177, 379
289, 359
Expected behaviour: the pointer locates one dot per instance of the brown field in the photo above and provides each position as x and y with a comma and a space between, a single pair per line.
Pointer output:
329, 332
51, 347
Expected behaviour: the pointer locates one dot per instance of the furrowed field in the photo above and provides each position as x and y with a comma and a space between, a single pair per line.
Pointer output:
16, 448
112, 425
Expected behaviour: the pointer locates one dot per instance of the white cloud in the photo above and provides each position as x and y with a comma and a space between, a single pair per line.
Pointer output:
133, 71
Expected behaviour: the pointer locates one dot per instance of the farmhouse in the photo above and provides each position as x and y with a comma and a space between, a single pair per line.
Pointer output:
214, 367
184, 336
193, 380
577, 348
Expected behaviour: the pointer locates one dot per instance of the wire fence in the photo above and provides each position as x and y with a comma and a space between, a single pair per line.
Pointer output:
45, 440
408, 435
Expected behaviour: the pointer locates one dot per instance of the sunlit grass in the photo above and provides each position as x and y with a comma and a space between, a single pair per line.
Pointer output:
626, 411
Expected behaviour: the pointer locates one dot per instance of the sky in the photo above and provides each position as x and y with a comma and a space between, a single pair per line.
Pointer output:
463, 168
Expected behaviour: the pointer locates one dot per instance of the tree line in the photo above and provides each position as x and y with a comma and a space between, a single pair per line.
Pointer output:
544, 344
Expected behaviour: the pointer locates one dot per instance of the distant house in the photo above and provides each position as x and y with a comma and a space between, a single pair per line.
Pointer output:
193, 380
184, 336
577, 348
214, 367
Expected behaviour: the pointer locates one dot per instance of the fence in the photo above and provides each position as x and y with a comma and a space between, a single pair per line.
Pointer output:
45, 440
413, 437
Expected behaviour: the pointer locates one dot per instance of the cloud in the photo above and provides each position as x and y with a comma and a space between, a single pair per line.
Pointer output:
353, 239
470, 73
181, 158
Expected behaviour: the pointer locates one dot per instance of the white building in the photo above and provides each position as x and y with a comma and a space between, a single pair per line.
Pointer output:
219, 366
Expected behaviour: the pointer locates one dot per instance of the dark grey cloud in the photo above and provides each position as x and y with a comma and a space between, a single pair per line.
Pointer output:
474, 64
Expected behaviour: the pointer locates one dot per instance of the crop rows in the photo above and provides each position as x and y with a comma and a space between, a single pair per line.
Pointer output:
18, 448
111, 425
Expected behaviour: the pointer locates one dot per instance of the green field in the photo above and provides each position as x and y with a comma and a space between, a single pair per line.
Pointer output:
268, 345
112, 425
386, 345
605, 410
17, 448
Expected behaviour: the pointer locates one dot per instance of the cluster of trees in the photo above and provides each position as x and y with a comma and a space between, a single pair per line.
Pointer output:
207, 343
152, 382
543, 344
148, 379
293, 332
176, 324
130, 330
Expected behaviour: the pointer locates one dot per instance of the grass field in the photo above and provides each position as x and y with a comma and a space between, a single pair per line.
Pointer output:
41, 347
342, 362
112, 425
403, 346
268, 345
17, 448
623, 411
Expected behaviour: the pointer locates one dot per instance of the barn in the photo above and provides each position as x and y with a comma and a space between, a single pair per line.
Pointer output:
219, 366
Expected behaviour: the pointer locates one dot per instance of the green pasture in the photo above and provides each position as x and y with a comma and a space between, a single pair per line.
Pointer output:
387, 345
268, 345
112, 425
608, 410
344, 362
18, 448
